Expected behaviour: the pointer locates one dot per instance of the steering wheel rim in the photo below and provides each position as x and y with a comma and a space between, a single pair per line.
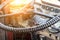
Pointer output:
37, 28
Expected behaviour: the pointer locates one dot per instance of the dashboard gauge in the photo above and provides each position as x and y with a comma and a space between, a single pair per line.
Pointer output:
46, 9
39, 10
53, 5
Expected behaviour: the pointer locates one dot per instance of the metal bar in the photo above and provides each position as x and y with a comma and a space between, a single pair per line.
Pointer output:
4, 4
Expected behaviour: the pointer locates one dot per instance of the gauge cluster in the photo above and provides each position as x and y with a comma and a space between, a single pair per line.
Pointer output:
47, 10
51, 9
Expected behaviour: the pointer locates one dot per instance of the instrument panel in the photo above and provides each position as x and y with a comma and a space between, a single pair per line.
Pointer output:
45, 9
44, 14
49, 11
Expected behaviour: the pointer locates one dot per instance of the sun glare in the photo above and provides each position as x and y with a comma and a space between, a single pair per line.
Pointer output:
18, 2
16, 5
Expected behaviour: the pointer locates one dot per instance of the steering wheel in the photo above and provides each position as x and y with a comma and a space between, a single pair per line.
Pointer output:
31, 29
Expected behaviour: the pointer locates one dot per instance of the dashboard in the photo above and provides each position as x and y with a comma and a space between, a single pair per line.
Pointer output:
47, 15
49, 11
